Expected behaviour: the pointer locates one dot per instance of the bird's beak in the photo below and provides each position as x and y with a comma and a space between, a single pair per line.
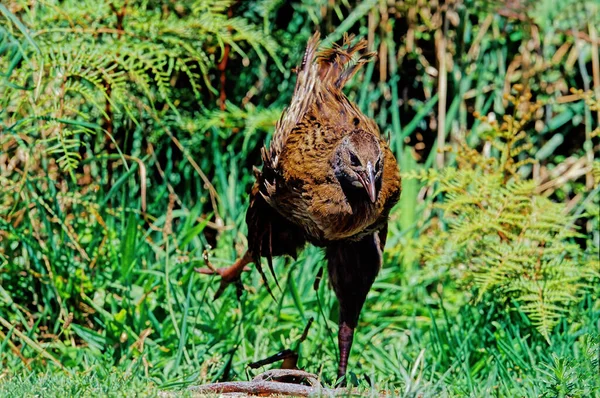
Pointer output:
367, 180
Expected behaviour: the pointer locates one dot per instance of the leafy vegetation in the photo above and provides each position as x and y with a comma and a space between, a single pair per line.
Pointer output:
505, 236
128, 131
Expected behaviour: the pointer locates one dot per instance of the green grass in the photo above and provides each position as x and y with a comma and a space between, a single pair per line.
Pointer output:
105, 384
465, 355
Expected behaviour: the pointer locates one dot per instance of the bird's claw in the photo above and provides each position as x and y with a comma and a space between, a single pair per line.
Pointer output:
224, 272
227, 278
228, 275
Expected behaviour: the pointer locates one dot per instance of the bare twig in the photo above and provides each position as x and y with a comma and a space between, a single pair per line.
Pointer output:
92, 31
31, 343
211, 189
14, 349
595, 62
475, 47
443, 91
223, 66
589, 178
160, 170
267, 384
569, 170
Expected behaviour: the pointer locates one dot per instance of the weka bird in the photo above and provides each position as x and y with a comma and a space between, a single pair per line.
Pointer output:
328, 178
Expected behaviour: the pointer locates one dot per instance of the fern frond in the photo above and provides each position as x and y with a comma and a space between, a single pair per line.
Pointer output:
509, 240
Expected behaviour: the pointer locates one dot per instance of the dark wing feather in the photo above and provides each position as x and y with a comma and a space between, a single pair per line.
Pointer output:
269, 233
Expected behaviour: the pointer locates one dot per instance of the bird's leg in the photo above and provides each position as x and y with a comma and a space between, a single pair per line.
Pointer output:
351, 290
345, 337
352, 268
350, 306
229, 274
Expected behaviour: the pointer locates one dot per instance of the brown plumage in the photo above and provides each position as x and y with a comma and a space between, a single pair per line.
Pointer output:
328, 178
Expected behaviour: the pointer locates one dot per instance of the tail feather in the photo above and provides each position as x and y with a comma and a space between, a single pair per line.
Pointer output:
331, 71
335, 64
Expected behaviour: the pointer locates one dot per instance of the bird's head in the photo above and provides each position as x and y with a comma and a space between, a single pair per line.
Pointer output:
358, 163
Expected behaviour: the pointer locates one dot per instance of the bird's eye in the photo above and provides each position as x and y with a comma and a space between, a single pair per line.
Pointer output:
354, 160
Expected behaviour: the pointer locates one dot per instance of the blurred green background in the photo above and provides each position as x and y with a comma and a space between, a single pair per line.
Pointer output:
128, 132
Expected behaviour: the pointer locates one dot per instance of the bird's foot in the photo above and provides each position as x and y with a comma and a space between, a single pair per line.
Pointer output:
229, 275
289, 358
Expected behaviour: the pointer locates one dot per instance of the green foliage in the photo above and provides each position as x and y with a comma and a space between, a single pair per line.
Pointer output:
103, 384
501, 234
513, 243
86, 76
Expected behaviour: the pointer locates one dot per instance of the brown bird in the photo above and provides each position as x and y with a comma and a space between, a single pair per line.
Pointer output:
328, 178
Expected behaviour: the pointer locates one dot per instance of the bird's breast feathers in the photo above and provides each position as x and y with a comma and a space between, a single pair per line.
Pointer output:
319, 205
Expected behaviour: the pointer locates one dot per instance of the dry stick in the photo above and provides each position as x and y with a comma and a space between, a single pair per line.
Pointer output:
595, 62
177, 198
211, 189
383, 50
15, 350
257, 86
108, 108
109, 128
143, 174
262, 385
371, 30
79, 30
261, 388
589, 178
223, 66
30, 342
62, 224
142, 168
36, 233
572, 173
474, 50
443, 92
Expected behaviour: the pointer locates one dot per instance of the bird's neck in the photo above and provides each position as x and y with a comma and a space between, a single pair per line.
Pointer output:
357, 198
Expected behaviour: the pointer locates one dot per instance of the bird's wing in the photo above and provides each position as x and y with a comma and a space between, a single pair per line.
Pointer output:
269, 233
